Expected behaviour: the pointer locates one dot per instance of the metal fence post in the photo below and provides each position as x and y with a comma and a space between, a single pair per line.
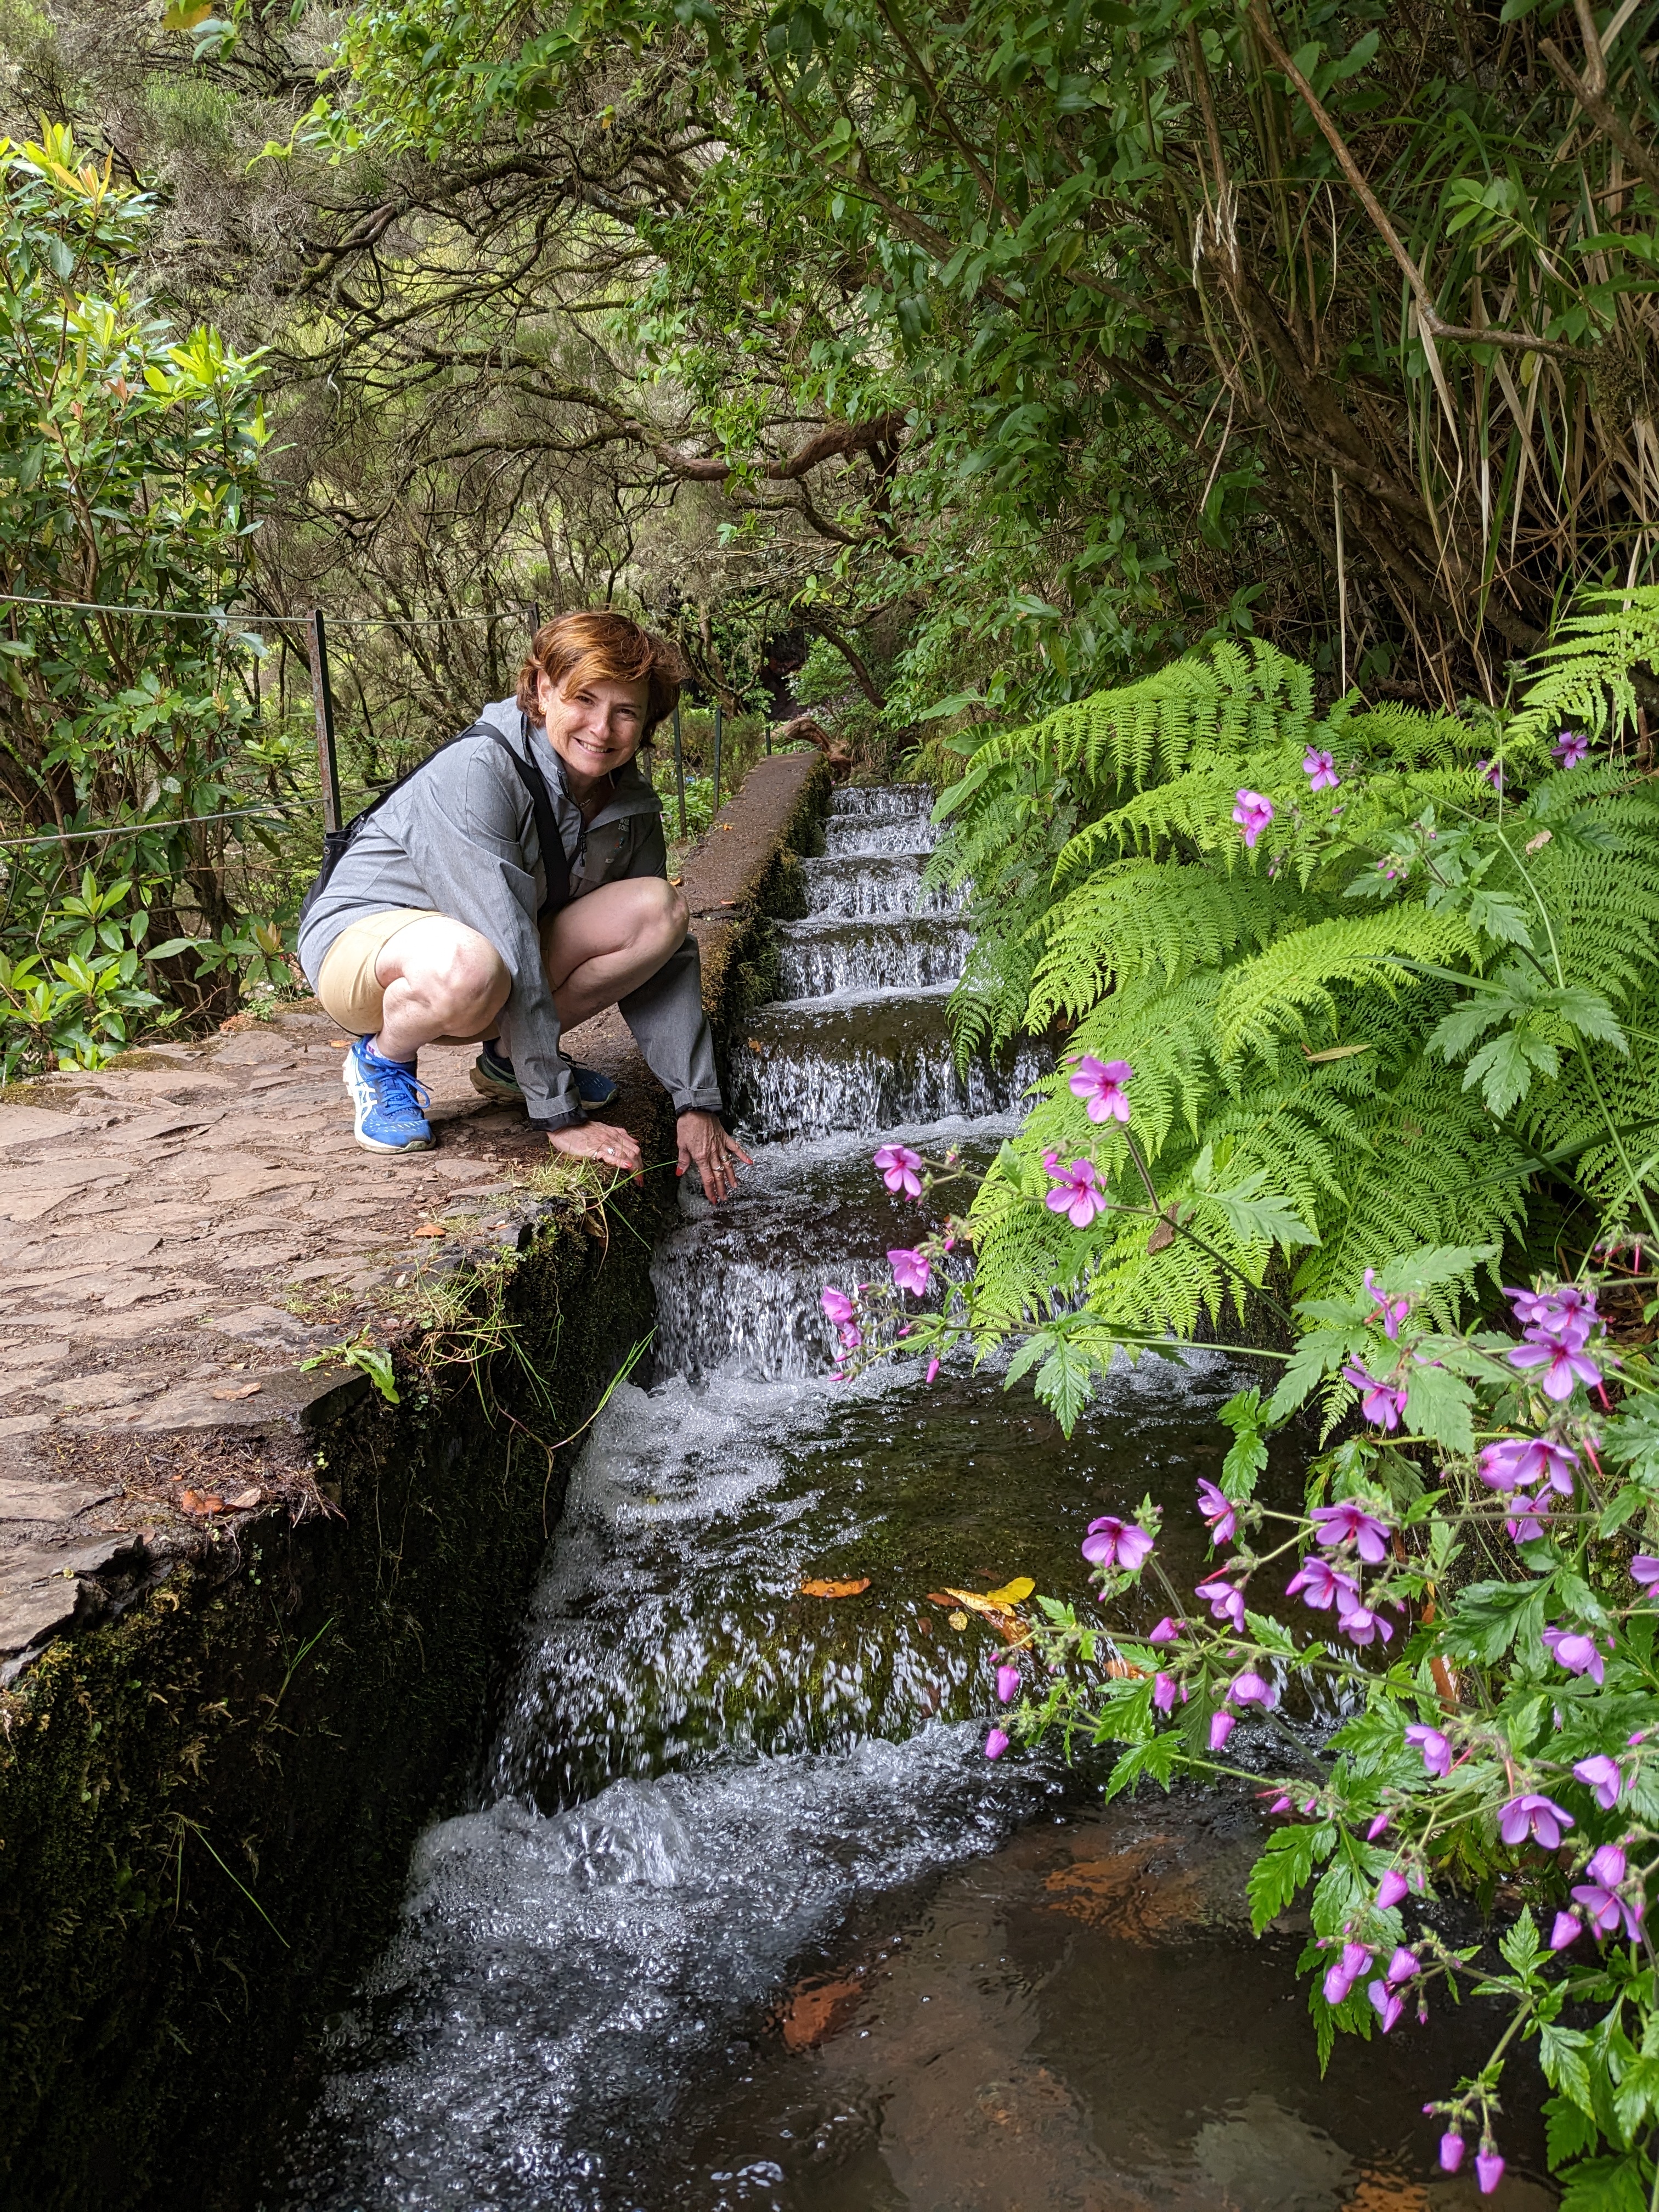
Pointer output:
322, 695
679, 770
719, 725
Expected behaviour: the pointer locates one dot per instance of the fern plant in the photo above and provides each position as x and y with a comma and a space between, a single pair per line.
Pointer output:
1382, 977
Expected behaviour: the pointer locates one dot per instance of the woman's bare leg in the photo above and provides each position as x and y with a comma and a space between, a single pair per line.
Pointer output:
442, 981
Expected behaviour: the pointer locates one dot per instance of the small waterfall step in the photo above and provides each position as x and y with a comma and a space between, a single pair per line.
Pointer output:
851, 837
916, 800
810, 1066
854, 885
830, 953
738, 1286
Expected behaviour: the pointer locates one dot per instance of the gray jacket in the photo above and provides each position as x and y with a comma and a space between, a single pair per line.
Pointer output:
460, 839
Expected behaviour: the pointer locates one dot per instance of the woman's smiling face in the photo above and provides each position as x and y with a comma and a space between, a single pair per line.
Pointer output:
595, 728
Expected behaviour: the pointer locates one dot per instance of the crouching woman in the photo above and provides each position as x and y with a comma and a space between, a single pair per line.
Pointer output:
513, 885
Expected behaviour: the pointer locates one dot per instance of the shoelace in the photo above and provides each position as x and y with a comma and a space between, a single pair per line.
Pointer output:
410, 1094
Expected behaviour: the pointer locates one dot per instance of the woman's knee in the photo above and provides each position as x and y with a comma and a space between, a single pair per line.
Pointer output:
669, 915
456, 972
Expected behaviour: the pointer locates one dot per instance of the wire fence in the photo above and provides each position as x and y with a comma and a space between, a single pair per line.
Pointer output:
316, 625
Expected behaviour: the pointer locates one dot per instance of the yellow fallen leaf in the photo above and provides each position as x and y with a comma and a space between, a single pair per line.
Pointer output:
835, 1590
957, 1621
1013, 1593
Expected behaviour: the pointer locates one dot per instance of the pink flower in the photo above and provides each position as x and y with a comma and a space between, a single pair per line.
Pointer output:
1567, 1313
1360, 1625
1540, 1818
1224, 1599
1163, 1692
1250, 1689
1341, 1978
996, 1743
1402, 1966
1395, 1310
1076, 1193
933, 1369
1604, 1907
1518, 1462
1317, 1582
1320, 769
1387, 2004
1167, 1631
1218, 1510
1578, 1653
911, 1270
1221, 1727
836, 1303
1570, 748
1101, 1082
1567, 1929
1437, 1752
901, 1169
1562, 1366
1488, 2169
1492, 771
1601, 1774
1526, 1524
1114, 1543
1252, 813
1007, 1684
1645, 1569
1390, 1890
1379, 1401
1349, 1524
1451, 2151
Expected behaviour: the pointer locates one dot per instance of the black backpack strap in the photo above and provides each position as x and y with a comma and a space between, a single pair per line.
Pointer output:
556, 864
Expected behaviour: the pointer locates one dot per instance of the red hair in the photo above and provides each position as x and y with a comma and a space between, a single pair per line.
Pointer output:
597, 646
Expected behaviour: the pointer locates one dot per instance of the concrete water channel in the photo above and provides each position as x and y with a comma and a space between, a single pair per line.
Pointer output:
738, 1914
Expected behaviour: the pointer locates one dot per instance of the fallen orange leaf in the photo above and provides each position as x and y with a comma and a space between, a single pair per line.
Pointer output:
194, 1501
431, 1228
242, 1390
835, 1590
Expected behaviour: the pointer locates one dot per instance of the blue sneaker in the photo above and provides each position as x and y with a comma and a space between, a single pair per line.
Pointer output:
493, 1076
387, 1101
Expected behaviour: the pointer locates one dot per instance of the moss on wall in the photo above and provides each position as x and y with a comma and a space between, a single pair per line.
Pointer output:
206, 1806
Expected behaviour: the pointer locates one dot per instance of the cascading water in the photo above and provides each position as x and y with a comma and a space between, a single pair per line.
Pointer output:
743, 1916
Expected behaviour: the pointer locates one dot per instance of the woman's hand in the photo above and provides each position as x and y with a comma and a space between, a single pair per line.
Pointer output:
604, 1142
705, 1145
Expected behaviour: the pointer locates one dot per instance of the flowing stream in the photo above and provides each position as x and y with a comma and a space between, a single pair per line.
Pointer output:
741, 1915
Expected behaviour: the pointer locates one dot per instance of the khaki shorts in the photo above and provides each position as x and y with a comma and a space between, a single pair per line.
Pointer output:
346, 982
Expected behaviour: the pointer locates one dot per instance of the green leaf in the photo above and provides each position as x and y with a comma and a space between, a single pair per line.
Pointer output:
1244, 1414
1487, 1617
1156, 1758
1441, 1405
1286, 1867
1562, 2052
1606, 2184
1568, 2130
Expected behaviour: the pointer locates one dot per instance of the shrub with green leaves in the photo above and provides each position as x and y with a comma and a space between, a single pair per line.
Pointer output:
133, 769
1381, 979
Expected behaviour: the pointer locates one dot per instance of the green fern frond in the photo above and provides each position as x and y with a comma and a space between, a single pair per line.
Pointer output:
1273, 996
1138, 917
